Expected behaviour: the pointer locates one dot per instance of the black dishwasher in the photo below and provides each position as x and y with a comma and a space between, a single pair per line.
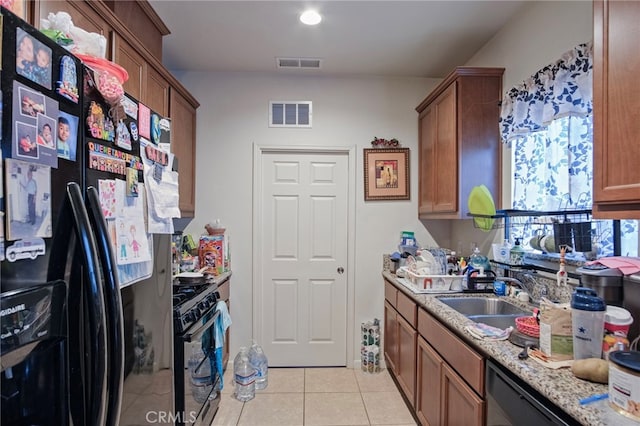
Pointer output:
510, 401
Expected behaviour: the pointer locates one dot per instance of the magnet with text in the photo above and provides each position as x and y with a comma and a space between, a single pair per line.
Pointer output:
99, 125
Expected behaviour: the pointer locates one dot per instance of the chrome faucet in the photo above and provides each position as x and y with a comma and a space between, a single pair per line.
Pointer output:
528, 285
511, 282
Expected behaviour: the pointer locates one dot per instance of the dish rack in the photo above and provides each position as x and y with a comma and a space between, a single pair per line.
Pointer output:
575, 228
434, 283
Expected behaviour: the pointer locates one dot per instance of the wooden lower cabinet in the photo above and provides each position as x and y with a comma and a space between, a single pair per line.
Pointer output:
442, 396
406, 368
450, 377
440, 375
400, 339
428, 375
390, 336
459, 404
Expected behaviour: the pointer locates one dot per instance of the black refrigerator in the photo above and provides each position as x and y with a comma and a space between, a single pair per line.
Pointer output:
85, 340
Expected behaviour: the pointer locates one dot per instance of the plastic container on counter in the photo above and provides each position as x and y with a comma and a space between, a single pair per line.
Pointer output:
587, 320
624, 383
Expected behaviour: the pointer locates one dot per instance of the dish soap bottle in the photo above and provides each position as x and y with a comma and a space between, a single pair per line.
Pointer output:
516, 254
478, 261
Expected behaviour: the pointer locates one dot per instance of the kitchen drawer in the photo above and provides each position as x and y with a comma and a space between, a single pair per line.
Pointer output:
408, 309
390, 293
224, 290
464, 360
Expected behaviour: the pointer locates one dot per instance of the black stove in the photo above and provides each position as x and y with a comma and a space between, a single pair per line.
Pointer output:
195, 317
192, 300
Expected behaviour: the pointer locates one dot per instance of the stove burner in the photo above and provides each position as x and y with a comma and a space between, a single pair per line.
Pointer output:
192, 301
187, 292
179, 298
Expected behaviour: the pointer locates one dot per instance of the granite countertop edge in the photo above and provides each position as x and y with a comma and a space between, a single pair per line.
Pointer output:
559, 386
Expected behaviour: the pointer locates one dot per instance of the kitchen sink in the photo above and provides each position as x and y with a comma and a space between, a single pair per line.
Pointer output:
483, 306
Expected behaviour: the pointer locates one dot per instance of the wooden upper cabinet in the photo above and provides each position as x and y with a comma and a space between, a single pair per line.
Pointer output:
183, 146
128, 58
439, 185
145, 83
459, 141
157, 92
426, 153
143, 21
616, 102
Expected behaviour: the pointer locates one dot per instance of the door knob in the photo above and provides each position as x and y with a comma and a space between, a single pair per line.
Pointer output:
340, 270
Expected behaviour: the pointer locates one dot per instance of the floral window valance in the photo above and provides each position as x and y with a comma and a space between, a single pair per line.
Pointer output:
558, 90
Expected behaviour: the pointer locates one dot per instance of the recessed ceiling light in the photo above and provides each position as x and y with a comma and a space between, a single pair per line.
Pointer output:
310, 17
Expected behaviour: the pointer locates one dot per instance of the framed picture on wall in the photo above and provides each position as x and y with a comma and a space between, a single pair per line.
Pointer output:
386, 174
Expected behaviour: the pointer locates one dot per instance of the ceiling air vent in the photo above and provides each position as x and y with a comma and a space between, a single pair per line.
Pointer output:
290, 114
299, 63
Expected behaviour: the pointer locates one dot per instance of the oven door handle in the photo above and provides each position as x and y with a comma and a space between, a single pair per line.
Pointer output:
197, 334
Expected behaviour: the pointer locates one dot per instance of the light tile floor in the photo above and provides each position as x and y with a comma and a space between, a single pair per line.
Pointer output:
317, 397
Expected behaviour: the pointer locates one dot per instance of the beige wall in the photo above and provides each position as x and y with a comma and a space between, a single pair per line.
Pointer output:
347, 112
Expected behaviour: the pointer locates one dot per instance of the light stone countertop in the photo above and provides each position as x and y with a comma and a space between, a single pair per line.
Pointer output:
559, 386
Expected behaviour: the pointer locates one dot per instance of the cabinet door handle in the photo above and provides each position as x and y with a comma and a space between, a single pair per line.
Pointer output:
340, 270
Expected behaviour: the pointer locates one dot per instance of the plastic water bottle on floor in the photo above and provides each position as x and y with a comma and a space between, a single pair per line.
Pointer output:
259, 361
200, 375
245, 376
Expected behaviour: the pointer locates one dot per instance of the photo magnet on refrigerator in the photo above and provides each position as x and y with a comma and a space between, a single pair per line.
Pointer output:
68, 83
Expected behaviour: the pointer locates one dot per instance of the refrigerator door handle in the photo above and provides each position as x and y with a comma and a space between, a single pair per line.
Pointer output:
95, 307
113, 306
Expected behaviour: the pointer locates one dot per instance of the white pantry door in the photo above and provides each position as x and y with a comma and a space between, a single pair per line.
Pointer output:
300, 287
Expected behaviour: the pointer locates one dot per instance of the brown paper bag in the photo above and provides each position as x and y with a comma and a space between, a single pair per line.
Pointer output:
556, 333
